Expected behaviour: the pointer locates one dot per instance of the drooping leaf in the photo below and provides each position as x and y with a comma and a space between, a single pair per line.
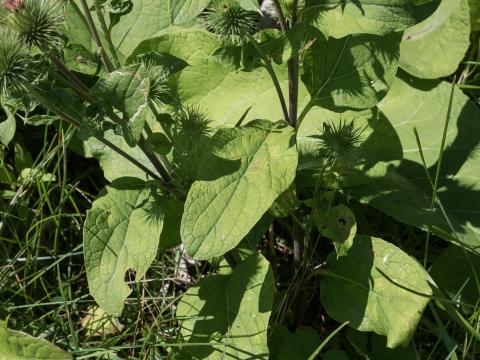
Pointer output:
121, 233
228, 314
352, 72
16, 345
238, 181
339, 18
171, 224
127, 91
405, 192
376, 287
435, 47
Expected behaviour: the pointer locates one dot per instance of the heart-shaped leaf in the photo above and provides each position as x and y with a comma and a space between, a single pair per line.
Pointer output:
247, 169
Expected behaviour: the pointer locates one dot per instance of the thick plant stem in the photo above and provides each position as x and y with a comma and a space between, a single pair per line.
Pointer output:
293, 91
268, 65
93, 31
293, 76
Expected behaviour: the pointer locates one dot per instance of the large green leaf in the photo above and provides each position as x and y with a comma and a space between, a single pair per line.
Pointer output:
424, 105
210, 81
16, 345
435, 47
121, 233
377, 287
352, 72
247, 169
228, 314
150, 18
207, 79
339, 18
127, 90
405, 192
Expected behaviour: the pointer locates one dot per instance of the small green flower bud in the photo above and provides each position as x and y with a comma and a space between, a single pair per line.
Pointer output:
228, 20
16, 65
193, 122
338, 145
159, 86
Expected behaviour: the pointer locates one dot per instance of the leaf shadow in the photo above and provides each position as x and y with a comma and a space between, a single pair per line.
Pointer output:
405, 191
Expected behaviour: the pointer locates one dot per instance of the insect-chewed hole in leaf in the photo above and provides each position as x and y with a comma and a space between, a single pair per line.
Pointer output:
342, 222
130, 278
